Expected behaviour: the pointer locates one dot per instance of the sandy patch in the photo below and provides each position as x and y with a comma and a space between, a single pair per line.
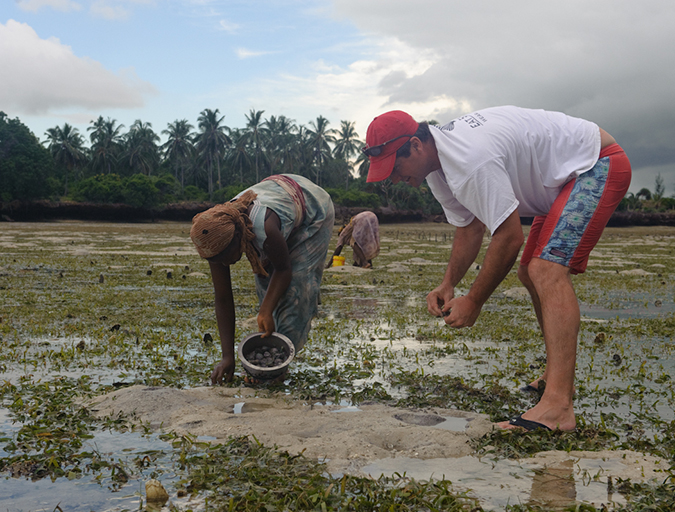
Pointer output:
374, 439
347, 437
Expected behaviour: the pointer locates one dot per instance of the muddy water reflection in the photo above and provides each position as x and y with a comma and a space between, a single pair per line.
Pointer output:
498, 483
85, 492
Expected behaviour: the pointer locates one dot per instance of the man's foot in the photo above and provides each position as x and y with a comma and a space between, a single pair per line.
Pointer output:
528, 425
540, 416
538, 386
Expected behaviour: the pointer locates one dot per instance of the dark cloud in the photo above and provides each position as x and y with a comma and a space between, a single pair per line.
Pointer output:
608, 61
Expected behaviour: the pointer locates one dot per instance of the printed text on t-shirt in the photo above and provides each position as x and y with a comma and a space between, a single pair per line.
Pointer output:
473, 120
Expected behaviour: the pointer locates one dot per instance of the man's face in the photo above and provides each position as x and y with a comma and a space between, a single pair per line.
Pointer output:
408, 171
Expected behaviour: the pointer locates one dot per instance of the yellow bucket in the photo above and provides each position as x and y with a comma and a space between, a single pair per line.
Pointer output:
338, 261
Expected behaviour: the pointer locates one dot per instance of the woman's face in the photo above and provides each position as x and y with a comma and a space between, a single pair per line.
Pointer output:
231, 254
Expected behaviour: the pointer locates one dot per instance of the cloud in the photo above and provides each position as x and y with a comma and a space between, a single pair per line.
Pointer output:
58, 5
243, 53
109, 10
609, 61
41, 76
115, 10
228, 26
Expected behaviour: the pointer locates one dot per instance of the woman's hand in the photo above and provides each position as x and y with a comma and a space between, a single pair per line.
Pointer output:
266, 324
225, 368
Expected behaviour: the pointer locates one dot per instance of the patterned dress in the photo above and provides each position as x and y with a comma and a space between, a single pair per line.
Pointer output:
307, 235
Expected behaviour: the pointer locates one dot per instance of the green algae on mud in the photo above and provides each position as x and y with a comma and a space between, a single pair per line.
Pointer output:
90, 307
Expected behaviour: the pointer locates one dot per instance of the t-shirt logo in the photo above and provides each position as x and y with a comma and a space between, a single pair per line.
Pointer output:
448, 127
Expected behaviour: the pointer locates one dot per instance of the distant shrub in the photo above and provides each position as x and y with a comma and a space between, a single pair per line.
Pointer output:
193, 193
140, 191
354, 198
222, 195
102, 188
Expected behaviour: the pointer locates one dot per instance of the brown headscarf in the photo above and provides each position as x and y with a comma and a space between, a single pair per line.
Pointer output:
213, 230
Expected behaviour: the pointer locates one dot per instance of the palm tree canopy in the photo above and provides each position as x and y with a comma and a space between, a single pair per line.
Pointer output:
141, 152
212, 137
179, 145
347, 141
106, 143
66, 145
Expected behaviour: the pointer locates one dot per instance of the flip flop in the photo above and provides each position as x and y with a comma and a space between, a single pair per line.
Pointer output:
529, 389
528, 425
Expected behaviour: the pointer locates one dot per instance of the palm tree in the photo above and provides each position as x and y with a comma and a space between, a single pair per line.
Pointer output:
362, 164
347, 144
632, 201
320, 137
65, 145
141, 152
106, 143
179, 147
211, 142
255, 131
281, 143
238, 155
644, 193
347, 141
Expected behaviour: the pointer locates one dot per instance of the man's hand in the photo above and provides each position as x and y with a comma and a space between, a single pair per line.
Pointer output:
438, 300
266, 324
225, 368
463, 312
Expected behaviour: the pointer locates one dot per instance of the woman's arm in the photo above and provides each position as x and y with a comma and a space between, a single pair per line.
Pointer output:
225, 316
276, 249
337, 252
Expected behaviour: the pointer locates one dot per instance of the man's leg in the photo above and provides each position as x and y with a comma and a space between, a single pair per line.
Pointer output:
524, 276
560, 319
558, 313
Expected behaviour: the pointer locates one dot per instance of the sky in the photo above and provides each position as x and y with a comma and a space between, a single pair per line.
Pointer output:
609, 61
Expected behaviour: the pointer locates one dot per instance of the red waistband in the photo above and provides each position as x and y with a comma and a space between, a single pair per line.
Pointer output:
610, 150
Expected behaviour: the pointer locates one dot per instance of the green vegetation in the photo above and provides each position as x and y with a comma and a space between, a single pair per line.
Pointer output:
27, 170
89, 308
206, 164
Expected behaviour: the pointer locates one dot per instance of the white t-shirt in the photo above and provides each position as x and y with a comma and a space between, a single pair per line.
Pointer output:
499, 159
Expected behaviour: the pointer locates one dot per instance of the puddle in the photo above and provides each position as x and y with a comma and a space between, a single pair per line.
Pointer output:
454, 424
87, 493
349, 408
631, 310
245, 407
499, 483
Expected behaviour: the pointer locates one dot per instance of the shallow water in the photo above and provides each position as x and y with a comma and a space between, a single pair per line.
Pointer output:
556, 487
85, 493
377, 325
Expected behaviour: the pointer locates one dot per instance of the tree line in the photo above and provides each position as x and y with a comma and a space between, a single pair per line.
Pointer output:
208, 161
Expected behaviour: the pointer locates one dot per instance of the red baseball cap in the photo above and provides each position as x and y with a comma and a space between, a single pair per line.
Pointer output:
387, 132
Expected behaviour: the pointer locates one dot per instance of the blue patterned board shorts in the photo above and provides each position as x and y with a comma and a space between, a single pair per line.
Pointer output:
573, 226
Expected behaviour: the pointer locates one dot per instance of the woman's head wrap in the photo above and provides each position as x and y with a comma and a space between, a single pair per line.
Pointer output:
213, 230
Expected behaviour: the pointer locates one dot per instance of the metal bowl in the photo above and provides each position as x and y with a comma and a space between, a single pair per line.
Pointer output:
254, 341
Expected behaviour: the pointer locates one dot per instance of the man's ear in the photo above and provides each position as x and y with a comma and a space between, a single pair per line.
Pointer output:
416, 145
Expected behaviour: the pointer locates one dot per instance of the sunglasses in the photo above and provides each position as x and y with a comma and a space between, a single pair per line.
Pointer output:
377, 150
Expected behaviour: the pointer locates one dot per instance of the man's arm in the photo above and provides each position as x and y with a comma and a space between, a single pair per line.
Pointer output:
499, 258
465, 248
